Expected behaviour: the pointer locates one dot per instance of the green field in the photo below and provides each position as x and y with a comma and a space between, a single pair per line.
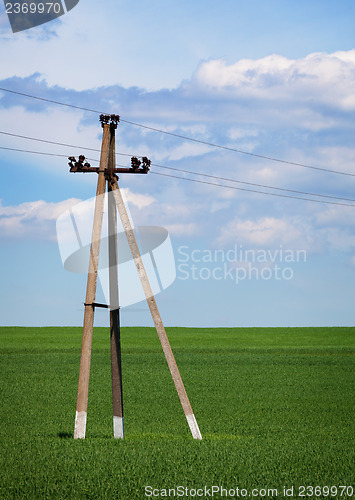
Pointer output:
275, 407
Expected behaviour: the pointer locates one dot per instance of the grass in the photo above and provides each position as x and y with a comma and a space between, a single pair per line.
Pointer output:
275, 408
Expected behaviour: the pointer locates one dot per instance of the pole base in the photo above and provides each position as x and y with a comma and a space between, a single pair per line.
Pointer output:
80, 425
195, 431
118, 428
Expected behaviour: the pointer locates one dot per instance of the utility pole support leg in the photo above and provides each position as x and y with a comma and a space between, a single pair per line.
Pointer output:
85, 360
169, 356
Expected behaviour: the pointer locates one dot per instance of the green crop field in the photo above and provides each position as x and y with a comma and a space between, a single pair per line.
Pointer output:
274, 406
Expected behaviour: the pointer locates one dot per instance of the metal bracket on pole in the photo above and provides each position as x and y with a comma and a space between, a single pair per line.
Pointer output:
111, 120
95, 304
137, 166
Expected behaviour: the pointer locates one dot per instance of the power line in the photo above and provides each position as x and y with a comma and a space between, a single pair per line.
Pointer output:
51, 101
34, 152
254, 190
240, 151
185, 171
253, 183
57, 143
48, 154
200, 141
215, 184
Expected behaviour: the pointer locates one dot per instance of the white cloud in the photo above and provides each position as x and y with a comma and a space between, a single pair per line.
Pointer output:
293, 130
187, 150
339, 238
72, 51
336, 216
327, 78
319, 231
266, 232
137, 199
337, 157
40, 210
35, 219
240, 105
241, 133
219, 205
191, 229
54, 124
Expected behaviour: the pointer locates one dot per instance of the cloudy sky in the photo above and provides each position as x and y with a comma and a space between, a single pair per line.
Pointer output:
265, 80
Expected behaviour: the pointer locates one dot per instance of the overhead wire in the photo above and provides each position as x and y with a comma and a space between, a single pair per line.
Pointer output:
172, 168
185, 171
217, 177
180, 136
34, 152
240, 151
58, 143
255, 191
51, 101
214, 183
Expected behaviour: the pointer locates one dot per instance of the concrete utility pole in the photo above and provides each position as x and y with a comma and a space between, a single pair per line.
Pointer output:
84, 373
116, 366
107, 172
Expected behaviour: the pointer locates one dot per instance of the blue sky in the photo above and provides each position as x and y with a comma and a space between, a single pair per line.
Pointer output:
274, 79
